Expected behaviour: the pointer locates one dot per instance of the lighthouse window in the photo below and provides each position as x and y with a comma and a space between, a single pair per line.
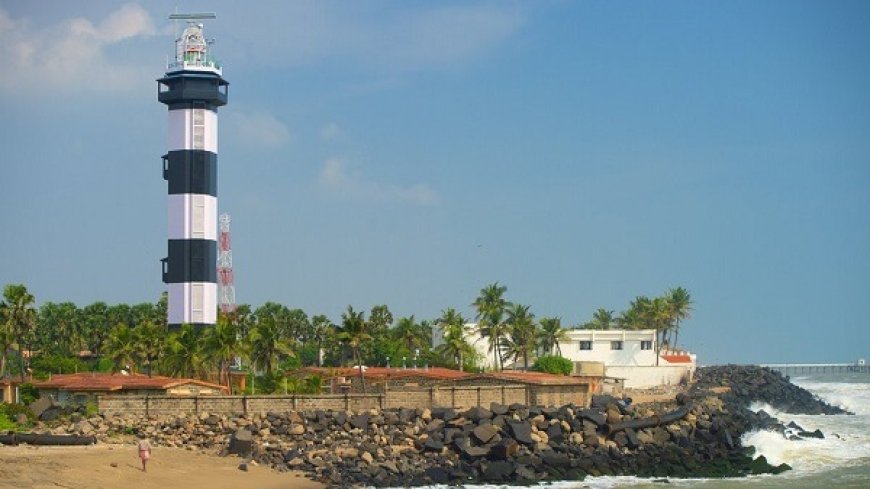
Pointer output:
196, 301
198, 128
197, 225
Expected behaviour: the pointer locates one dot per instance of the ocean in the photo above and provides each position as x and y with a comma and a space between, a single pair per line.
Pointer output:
841, 460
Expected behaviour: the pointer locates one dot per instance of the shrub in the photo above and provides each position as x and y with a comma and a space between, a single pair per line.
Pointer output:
13, 410
8, 413
7, 424
91, 409
27, 393
553, 364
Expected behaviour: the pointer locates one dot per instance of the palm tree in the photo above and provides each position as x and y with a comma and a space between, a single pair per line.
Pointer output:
184, 353
523, 334
322, 328
150, 339
354, 333
601, 319
267, 345
491, 306
408, 333
20, 316
454, 333
223, 343
634, 317
96, 326
7, 336
552, 333
121, 348
657, 315
680, 304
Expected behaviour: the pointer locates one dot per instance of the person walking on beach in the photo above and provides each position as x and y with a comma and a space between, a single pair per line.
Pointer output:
144, 451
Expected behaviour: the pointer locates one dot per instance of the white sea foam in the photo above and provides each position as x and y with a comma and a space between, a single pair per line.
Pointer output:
847, 438
853, 396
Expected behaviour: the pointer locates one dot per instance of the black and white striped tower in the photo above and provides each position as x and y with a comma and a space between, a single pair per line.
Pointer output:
193, 89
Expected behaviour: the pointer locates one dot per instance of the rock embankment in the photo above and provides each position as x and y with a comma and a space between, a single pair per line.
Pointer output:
744, 384
698, 435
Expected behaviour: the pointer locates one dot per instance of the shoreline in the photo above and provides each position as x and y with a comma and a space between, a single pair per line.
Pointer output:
113, 466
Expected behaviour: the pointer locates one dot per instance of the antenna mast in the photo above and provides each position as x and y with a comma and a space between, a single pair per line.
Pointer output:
226, 286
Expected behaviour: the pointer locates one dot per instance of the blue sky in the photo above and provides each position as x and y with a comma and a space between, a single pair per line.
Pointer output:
409, 153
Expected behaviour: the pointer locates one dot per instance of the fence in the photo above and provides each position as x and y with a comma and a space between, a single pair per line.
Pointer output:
462, 397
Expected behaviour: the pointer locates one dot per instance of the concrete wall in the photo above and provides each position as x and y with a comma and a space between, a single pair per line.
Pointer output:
461, 397
638, 377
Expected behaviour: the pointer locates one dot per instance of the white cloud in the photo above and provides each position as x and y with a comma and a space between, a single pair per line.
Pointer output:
338, 177
72, 54
330, 132
258, 129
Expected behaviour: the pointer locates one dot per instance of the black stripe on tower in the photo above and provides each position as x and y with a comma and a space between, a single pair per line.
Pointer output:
183, 88
190, 260
192, 171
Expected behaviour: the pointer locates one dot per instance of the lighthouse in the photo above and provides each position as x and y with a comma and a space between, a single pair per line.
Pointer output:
193, 89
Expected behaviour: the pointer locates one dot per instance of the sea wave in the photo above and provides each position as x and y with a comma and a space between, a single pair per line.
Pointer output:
852, 396
846, 442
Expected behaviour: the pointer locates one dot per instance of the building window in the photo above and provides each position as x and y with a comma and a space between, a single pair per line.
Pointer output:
646, 345
585, 345
616, 345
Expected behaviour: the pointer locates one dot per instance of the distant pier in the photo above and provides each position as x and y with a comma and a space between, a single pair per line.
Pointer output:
814, 368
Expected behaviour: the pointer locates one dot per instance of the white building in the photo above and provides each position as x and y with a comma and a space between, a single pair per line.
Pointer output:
625, 354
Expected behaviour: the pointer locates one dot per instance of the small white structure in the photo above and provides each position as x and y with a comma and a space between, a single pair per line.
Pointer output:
625, 354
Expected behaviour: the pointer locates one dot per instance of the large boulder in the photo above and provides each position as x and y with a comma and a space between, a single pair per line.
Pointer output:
242, 443
522, 432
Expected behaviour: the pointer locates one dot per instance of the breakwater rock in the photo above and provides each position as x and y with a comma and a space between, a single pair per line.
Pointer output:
744, 384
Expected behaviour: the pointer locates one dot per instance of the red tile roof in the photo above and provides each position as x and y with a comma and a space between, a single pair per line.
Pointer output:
383, 373
99, 381
677, 358
538, 378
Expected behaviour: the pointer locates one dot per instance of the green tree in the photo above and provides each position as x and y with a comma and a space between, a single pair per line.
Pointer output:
7, 336
601, 319
454, 332
150, 339
222, 344
184, 352
491, 306
267, 345
20, 317
354, 332
680, 305
322, 331
635, 317
121, 348
551, 335
96, 326
408, 333
523, 334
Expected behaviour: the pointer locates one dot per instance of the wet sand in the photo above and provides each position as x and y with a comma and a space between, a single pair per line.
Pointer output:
25, 467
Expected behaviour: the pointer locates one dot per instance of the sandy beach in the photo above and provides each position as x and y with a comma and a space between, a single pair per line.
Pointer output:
91, 468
